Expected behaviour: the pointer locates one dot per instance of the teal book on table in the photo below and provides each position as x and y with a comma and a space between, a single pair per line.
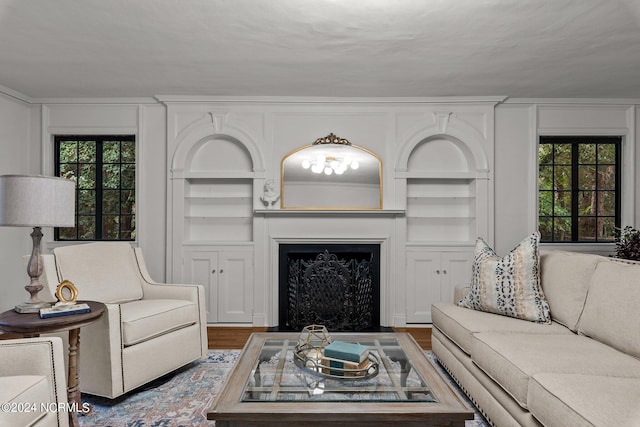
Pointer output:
351, 352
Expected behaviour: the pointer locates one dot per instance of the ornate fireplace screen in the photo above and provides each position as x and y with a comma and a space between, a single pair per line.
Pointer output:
339, 291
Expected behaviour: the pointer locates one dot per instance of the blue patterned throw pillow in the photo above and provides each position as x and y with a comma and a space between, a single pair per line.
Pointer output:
510, 285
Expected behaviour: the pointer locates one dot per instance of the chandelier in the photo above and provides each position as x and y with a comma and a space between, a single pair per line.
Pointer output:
330, 164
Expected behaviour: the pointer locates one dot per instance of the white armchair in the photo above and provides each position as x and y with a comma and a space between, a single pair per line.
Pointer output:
148, 329
33, 384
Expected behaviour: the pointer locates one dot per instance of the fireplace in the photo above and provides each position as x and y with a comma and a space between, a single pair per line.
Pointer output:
335, 285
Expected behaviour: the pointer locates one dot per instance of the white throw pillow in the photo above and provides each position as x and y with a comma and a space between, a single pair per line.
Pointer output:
510, 285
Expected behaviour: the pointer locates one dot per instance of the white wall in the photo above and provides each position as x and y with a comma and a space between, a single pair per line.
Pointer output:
25, 147
14, 242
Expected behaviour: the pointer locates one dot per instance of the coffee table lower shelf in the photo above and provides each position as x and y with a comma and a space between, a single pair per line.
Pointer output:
261, 389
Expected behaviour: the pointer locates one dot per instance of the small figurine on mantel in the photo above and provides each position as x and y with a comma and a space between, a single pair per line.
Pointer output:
270, 196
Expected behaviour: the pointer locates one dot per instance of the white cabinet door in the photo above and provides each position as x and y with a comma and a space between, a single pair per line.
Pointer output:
431, 278
227, 277
235, 287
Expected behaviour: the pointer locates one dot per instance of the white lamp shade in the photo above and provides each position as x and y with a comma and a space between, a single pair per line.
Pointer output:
37, 201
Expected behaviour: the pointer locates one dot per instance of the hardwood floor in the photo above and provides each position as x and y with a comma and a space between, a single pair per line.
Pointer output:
231, 337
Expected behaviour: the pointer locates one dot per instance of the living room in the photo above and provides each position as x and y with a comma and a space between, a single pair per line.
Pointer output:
449, 98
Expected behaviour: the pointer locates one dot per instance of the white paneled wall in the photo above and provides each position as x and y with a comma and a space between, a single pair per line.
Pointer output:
503, 134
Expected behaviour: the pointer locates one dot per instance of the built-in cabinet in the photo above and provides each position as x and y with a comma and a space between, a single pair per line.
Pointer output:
437, 197
227, 276
432, 277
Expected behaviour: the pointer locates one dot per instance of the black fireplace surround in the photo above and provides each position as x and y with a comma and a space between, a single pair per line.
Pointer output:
335, 285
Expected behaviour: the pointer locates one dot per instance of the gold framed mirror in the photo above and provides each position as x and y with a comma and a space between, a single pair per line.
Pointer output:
331, 174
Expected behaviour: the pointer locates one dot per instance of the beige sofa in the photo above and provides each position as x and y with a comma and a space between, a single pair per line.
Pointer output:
582, 370
33, 385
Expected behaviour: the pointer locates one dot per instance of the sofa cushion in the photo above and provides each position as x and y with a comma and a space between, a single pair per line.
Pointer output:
512, 359
565, 278
146, 319
610, 314
27, 390
459, 324
509, 285
585, 400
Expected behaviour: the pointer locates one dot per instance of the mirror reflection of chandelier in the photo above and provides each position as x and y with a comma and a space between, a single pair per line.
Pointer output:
330, 164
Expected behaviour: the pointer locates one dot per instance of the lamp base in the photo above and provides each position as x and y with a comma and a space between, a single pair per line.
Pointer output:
29, 307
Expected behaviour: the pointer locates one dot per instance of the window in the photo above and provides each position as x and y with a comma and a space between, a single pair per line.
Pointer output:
579, 188
104, 169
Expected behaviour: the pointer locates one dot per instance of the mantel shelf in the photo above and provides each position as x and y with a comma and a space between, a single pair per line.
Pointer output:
325, 212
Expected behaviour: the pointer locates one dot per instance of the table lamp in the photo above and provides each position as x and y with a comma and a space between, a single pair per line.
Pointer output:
36, 201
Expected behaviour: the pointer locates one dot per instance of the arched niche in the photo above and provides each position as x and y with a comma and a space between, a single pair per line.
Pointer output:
218, 154
441, 153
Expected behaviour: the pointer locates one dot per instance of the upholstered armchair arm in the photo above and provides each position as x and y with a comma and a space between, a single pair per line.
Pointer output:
154, 290
38, 356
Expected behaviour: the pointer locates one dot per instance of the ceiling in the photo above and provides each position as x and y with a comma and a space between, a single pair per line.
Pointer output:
325, 48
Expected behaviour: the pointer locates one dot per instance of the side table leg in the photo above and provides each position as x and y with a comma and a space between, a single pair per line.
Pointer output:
73, 386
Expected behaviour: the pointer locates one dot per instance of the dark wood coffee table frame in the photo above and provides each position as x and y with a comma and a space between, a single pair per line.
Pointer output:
229, 410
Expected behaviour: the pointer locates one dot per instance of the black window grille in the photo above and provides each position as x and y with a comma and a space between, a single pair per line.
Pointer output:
104, 169
579, 188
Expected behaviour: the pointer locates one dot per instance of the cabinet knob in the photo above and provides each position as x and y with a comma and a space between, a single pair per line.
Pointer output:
437, 271
213, 272
221, 271
444, 271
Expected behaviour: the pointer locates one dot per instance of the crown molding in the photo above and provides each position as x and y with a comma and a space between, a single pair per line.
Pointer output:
15, 95
574, 101
177, 99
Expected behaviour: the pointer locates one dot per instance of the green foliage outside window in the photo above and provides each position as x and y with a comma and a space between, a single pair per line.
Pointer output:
578, 189
104, 170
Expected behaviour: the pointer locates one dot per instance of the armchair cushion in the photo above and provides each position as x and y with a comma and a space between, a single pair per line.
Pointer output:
110, 266
146, 319
27, 390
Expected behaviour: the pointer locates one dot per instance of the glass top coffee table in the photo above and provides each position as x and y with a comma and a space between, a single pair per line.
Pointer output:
268, 388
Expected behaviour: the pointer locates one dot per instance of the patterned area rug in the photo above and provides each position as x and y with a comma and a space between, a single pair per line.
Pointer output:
182, 399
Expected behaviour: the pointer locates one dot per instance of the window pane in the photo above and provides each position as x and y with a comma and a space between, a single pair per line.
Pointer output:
562, 205
562, 178
545, 203
128, 151
127, 202
587, 203
587, 153
586, 177
68, 152
546, 228
587, 229
111, 152
110, 227
86, 227
562, 154
128, 176
86, 202
87, 176
69, 171
87, 151
545, 154
545, 180
607, 229
111, 201
606, 203
67, 233
606, 154
562, 229
606, 177
111, 176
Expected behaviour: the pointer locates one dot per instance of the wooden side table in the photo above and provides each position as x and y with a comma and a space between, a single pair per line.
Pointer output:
31, 325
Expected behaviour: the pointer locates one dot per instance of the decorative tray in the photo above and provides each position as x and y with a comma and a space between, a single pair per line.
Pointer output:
312, 360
